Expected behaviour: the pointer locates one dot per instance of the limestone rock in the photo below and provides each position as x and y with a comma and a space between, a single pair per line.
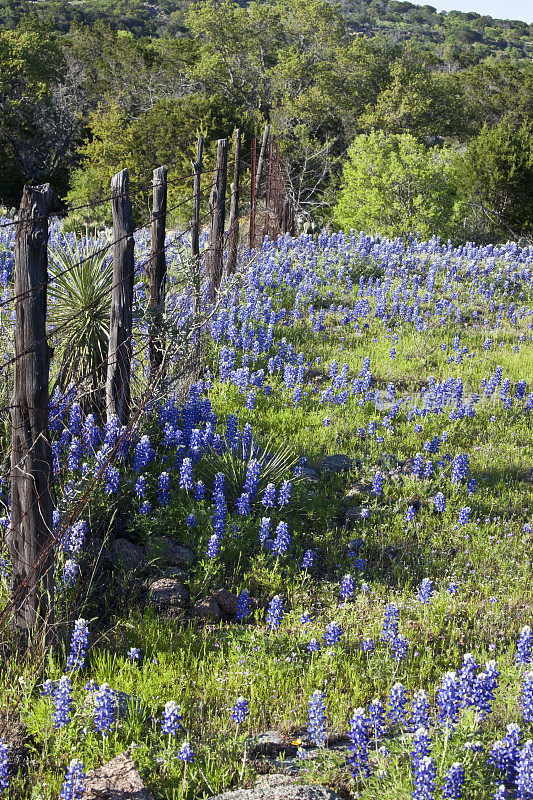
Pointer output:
271, 745
226, 600
285, 791
119, 779
169, 593
336, 463
207, 607
126, 554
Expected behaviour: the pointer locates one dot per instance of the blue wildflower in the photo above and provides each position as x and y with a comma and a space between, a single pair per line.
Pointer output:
317, 723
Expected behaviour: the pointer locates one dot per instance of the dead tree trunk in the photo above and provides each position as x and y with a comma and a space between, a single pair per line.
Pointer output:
217, 208
29, 538
157, 270
233, 227
120, 323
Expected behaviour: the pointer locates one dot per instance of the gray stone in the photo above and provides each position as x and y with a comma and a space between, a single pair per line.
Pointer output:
207, 607
170, 552
308, 474
226, 600
271, 745
126, 554
354, 545
273, 779
336, 463
169, 593
119, 779
174, 572
358, 490
287, 791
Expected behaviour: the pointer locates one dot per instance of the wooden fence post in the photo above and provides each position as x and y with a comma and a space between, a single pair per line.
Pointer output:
29, 537
261, 161
195, 224
120, 323
217, 207
233, 227
252, 196
268, 191
157, 269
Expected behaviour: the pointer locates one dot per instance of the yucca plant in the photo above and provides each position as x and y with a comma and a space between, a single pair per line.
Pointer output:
80, 279
275, 466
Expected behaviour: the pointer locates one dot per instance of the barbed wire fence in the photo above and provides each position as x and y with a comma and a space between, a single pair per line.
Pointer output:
174, 349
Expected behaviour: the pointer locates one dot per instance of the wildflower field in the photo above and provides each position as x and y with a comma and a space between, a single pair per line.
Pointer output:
350, 485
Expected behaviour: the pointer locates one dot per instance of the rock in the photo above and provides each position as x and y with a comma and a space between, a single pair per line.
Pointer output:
169, 593
226, 600
207, 607
119, 779
273, 779
126, 554
175, 572
170, 552
308, 474
15, 736
285, 791
358, 490
336, 463
271, 745
126, 705
354, 545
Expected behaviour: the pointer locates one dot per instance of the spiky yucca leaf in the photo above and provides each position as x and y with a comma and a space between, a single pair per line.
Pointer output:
276, 465
80, 279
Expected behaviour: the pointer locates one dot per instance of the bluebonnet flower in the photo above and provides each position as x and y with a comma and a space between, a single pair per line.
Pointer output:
419, 711
133, 654
112, 480
377, 484
410, 514
78, 645
505, 752
282, 542
448, 699
186, 479
453, 782
424, 779
269, 496
526, 699
252, 477
524, 772
4, 782
243, 504
75, 537
425, 591
367, 645
243, 608
190, 521
358, 759
163, 489
186, 753
501, 792
140, 486
347, 588
421, 745
213, 546
73, 784
70, 572
317, 719
61, 716
284, 494
472, 486
313, 645
171, 721
459, 467
264, 529
250, 400
218, 483
146, 507
240, 710
523, 648
105, 709
144, 454
464, 515
308, 559
199, 491
305, 619
48, 688
274, 613
397, 704
332, 634
452, 588
376, 718
467, 677
390, 623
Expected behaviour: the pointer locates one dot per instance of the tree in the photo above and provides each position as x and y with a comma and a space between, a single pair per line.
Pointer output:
496, 176
394, 185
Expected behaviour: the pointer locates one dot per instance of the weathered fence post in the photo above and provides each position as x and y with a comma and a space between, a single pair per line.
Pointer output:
120, 323
261, 161
252, 196
217, 208
233, 227
268, 190
195, 225
29, 537
157, 269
